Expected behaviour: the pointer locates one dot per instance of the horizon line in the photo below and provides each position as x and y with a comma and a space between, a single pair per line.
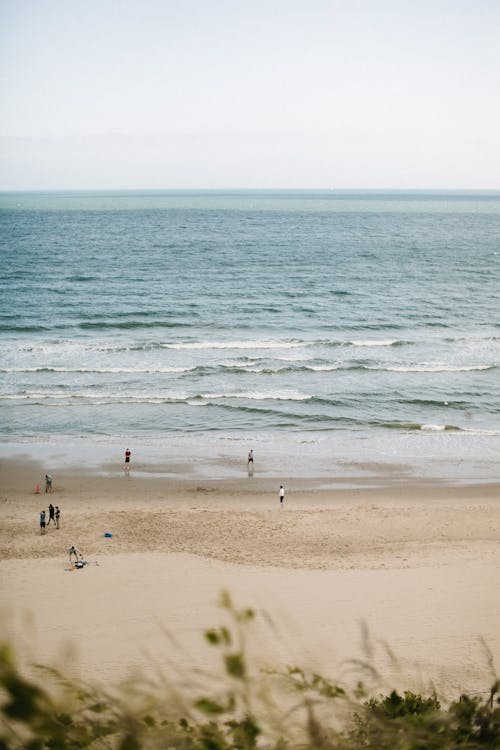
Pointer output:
252, 190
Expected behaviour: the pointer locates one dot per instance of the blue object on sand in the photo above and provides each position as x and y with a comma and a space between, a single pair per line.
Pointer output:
108, 534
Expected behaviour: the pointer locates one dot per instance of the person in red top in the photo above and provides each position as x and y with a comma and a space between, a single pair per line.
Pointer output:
127, 459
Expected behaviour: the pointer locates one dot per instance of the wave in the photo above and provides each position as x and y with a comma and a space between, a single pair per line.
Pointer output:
436, 368
150, 398
264, 344
13, 328
62, 347
200, 370
416, 426
304, 348
252, 366
93, 398
432, 428
259, 396
474, 340
439, 427
368, 327
277, 409
241, 344
100, 325
94, 325
377, 342
340, 342
101, 370
435, 403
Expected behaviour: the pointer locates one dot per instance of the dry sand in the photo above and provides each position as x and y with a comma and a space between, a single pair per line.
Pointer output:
417, 564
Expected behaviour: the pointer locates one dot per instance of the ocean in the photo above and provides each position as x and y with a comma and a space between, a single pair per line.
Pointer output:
325, 329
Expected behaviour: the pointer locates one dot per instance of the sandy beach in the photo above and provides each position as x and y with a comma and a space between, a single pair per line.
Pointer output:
413, 563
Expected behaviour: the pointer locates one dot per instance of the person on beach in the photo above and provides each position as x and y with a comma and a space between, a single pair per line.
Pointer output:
51, 515
73, 553
48, 483
42, 522
127, 459
250, 463
282, 495
58, 516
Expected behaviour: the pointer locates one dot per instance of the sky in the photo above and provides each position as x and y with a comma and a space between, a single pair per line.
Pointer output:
220, 94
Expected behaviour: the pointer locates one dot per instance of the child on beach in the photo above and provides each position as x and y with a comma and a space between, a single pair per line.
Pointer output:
42, 522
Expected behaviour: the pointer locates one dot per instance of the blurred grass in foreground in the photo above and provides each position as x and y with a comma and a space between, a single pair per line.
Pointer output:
271, 710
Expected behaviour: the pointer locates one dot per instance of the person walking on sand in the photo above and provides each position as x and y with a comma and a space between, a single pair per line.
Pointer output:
51, 515
282, 495
42, 522
48, 483
58, 516
127, 459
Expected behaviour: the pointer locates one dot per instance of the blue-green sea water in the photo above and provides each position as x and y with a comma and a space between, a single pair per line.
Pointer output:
352, 324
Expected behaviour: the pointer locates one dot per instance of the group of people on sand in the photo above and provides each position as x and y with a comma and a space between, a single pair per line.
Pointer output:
75, 557
54, 516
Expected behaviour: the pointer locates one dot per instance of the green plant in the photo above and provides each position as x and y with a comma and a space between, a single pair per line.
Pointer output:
296, 711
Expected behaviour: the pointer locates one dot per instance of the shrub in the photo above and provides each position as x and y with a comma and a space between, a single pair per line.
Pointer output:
58, 714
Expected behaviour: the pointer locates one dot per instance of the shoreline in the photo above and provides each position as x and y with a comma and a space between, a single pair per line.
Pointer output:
331, 461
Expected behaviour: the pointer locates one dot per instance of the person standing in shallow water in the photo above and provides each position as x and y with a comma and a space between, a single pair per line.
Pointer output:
250, 462
127, 459
282, 495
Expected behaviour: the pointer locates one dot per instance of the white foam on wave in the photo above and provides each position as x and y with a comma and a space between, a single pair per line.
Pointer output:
259, 396
94, 397
324, 368
64, 347
436, 368
158, 398
374, 342
265, 344
100, 370
459, 431
248, 362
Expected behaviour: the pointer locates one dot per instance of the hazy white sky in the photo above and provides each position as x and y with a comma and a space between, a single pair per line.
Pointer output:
221, 93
